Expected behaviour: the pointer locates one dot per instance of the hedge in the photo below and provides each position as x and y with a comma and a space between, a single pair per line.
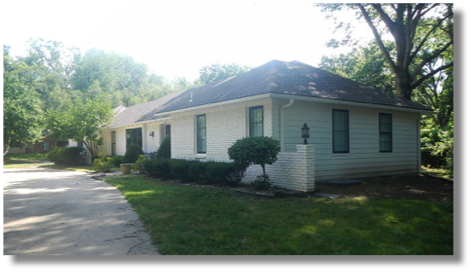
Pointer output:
221, 173
68, 156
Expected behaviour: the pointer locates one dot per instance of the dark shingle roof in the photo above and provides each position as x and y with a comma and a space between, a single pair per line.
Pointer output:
139, 113
286, 78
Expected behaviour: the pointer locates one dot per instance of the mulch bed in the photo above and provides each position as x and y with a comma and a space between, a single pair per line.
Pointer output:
421, 187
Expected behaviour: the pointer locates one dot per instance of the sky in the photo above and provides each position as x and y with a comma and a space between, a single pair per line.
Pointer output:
176, 38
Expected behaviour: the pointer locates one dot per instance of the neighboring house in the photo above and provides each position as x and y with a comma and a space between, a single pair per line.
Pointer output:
355, 130
44, 145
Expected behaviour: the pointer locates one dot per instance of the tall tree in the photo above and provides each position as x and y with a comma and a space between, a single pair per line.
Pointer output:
22, 113
215, 72
403, 22
365, 65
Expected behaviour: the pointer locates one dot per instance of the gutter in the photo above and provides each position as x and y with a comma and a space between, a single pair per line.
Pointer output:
352, 103
217, 104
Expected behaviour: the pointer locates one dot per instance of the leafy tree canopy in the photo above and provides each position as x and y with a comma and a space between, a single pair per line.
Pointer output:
216, 72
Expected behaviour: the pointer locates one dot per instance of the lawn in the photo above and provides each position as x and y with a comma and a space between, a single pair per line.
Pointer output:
187, 220
38, 160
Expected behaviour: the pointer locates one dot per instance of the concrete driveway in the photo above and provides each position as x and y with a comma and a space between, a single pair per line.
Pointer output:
55, 212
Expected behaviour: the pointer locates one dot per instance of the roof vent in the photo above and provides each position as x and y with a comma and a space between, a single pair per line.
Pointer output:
190, 97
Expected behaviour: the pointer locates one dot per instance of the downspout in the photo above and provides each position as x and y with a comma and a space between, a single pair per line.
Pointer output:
282, 124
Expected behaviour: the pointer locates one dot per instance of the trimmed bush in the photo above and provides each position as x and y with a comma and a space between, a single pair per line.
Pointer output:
197, 171
165, 149
255, 150
180, 169
133, 152
158, 168
221, 173
68, 156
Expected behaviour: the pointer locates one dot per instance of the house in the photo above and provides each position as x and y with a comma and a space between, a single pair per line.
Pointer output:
44, 145
355, 130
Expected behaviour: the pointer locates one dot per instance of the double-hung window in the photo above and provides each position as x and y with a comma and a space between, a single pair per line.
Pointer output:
256, 121
340, 131
385, 133
201, 134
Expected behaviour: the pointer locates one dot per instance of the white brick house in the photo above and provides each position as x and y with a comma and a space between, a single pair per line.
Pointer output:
355, 130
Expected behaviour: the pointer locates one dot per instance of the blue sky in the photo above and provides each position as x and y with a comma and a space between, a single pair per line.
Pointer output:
176, 38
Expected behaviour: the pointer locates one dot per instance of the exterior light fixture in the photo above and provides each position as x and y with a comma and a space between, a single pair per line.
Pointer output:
152, 134
305, 133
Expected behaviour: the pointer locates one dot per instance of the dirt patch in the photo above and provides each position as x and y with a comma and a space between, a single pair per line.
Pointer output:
397, 187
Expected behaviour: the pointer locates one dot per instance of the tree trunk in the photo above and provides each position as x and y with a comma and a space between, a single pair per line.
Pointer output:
403, 84
6, 148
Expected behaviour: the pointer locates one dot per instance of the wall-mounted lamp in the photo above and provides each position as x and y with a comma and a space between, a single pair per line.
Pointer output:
305, 133
152, 134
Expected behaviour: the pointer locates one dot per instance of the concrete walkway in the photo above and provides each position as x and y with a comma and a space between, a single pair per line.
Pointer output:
55, 212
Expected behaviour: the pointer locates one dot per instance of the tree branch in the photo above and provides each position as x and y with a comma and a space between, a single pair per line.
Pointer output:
418, 48
421, 80
378, 39
430, 58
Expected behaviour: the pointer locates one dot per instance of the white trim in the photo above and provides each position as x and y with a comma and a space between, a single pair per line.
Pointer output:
350, 103
217, 104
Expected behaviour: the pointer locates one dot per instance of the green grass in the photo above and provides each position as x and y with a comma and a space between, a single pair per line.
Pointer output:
439, 172
185, 220
25, 157
27, 161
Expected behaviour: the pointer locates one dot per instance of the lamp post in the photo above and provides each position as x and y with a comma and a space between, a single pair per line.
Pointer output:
305, 133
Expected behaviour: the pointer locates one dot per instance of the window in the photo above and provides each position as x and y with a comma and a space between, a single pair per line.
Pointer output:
340, 131
113, 138
201, 134
256, 121
134, 136
45, 146
385, 132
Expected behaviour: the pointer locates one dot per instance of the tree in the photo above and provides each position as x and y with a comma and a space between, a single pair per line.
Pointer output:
215, 72
22, 113
365, 65
255, 150
403, 22
82, 117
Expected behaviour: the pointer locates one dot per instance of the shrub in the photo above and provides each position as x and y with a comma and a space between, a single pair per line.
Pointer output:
221, 173
180, 169
117, 160
255, 150
261, 183
103, 163
165, 149
73, 156
68, 155
132, 153
54, 155
197, 171
158, 168
138, 165
224, 173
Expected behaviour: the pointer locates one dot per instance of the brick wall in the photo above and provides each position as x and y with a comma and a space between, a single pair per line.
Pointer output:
294, 171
